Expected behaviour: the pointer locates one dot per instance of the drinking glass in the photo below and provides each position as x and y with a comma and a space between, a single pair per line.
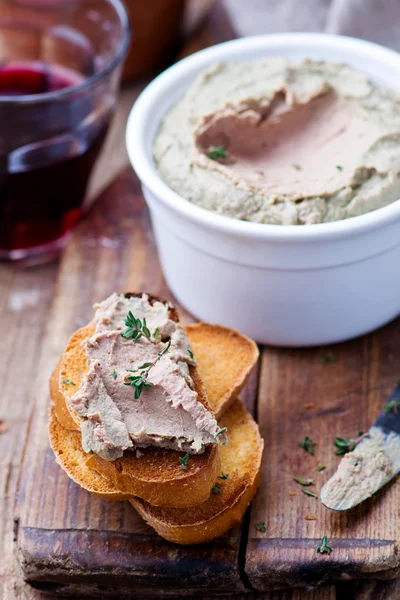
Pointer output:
60, 67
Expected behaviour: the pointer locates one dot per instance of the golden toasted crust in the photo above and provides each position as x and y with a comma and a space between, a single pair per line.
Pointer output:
152, 474
241, 460
225, 359
67, 447
70, 368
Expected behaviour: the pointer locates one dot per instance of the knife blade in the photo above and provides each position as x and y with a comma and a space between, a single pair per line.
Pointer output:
372, 463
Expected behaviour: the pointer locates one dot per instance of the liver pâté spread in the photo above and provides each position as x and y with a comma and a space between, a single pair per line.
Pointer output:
280, 143
138, 391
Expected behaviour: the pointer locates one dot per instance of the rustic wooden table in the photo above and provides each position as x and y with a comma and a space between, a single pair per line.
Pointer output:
26, 300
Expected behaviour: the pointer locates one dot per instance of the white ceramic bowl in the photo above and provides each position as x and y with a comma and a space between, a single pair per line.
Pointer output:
283, 285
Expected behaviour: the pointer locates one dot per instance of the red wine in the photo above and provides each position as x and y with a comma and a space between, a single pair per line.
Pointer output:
21, 78
43, 184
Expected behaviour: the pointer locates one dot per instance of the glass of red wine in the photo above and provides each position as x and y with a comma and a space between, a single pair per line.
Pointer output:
60, 68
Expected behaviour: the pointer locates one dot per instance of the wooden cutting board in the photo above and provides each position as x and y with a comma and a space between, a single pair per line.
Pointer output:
72, 543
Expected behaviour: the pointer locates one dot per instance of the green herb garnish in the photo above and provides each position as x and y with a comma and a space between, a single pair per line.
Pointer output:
184, 460
303, 480
68, 382
216, 489
135, 328
138, 382
308, 492
329, 357
321, 467
324, 548
115, 374
216, 152
157, 335
393, 406
297, 167
307, 445
190, 352
345, 445
339, 167
261, 526
221, 431
223, 475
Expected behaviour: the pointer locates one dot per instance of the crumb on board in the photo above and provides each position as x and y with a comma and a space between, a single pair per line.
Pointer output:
3, 426
309, 405
310, 517
292, 493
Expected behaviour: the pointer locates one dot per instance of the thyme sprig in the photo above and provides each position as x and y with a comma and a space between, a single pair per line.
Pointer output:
393, 406
135, 329
215, 152
139, 382
184, 461
307, 445
323, 548
345, 445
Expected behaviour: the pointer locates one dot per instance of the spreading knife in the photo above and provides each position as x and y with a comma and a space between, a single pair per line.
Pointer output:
371, 464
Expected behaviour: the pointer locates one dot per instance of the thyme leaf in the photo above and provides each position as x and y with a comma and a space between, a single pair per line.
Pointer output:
323, 548
215, 152
308, 492
68, 382
261, 526
327, 358
216, 489
345, 445
223, 475
307, 445
393, 406
184, 460
303, 480
136, 328
221, 431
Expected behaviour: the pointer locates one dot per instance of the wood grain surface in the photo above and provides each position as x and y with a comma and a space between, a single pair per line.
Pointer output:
301, 394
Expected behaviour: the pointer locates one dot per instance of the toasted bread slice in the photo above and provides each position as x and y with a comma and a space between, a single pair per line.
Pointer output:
225, 359
153, 474
67, 447
241, 460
